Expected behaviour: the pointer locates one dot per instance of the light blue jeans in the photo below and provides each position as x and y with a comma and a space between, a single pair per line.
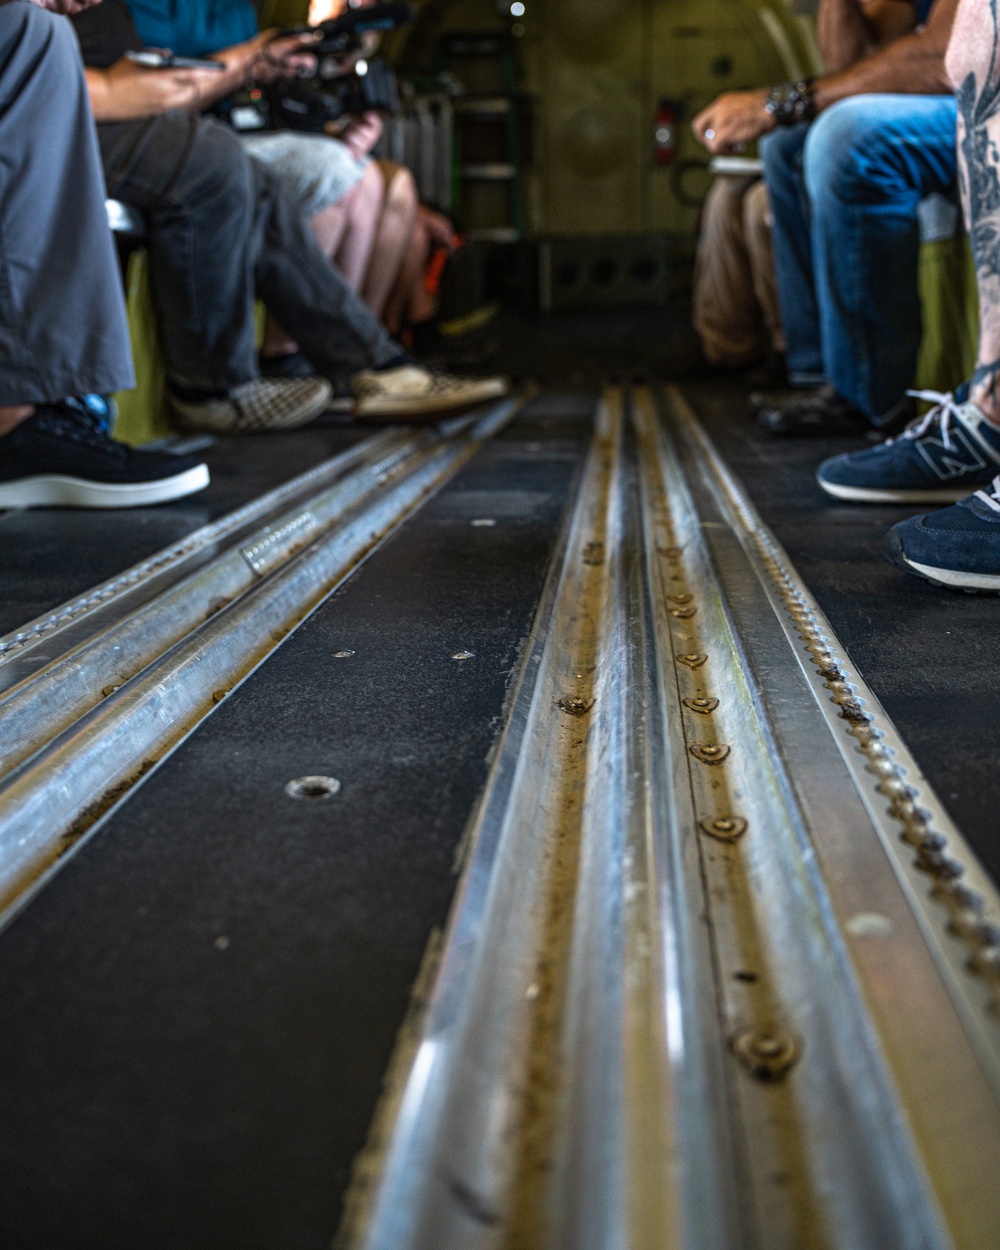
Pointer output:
844, 195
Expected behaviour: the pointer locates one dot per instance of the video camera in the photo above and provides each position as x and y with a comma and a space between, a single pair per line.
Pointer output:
310, 105
345, 34
334, 92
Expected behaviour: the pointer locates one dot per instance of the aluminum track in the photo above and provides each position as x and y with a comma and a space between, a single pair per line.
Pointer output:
101, 691
720, 972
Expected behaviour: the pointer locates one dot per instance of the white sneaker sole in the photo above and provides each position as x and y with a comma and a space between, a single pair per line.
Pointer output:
58, 491
957, 581
429, 405
866, 494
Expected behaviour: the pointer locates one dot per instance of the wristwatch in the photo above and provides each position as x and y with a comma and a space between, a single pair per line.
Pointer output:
792, 102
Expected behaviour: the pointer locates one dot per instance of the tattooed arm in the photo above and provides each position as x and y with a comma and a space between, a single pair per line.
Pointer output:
974, 67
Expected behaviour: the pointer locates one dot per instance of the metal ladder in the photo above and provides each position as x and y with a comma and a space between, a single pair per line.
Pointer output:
499, 109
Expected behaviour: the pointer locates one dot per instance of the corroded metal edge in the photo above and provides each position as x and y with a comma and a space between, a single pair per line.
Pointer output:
45, 703
380, 451
623, 1045
953, 899
812, 1099
453, 1163
57, 800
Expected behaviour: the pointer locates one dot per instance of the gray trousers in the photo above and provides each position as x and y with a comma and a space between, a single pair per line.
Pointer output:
222, 229
62, 313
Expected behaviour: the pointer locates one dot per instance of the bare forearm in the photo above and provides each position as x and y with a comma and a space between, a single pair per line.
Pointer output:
107, 104
125, 93
913, 65
843, 34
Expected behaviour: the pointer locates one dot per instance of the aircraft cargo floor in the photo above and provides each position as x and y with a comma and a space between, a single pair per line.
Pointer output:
205, 977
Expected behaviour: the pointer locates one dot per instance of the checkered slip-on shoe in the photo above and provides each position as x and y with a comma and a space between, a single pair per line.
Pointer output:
254, 407
411, 392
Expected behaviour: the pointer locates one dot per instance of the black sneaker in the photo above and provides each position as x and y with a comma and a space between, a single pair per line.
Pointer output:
824, 411
61, 457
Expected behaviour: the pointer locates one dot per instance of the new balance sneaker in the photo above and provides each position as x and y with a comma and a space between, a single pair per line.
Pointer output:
253, 407
411, 392
939, 458
958, 547
61, 457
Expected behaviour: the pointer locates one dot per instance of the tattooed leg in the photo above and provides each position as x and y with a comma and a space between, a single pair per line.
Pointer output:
974, 68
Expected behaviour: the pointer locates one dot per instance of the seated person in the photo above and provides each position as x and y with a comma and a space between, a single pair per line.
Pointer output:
844, 193
364, 213
222, 230
735, 300
956, 447
63, 330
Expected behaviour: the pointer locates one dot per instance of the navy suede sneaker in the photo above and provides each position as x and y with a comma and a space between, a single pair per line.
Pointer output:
957, 547
939, 458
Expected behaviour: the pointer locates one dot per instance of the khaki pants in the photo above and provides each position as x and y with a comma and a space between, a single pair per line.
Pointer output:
736, 311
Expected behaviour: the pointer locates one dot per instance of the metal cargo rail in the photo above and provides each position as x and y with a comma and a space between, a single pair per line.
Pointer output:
720, 971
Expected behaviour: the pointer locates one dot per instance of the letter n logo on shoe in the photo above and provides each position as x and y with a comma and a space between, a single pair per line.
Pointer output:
956, 458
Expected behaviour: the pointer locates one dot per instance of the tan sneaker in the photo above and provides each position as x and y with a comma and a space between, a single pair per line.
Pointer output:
412, 392
264, 404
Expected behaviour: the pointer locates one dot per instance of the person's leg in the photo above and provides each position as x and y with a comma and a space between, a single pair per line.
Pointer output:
346, 233
207, 219
757, 233
339, 194
959, 547
338, 332
310, 297
726, 314
361, 213
195, 184
408, 300
395, 233
956, 446
974, 68
782, 154
868, 162
63, 329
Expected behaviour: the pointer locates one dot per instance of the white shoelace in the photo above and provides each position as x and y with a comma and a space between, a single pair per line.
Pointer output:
944, 414
991, 497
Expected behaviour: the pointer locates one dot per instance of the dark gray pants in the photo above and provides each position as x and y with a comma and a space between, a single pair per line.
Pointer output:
62, 315
222, 230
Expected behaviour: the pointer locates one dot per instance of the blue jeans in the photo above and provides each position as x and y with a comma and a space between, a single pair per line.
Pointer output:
844, 195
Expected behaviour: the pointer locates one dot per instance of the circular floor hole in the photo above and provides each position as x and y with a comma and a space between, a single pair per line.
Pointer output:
314, 788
